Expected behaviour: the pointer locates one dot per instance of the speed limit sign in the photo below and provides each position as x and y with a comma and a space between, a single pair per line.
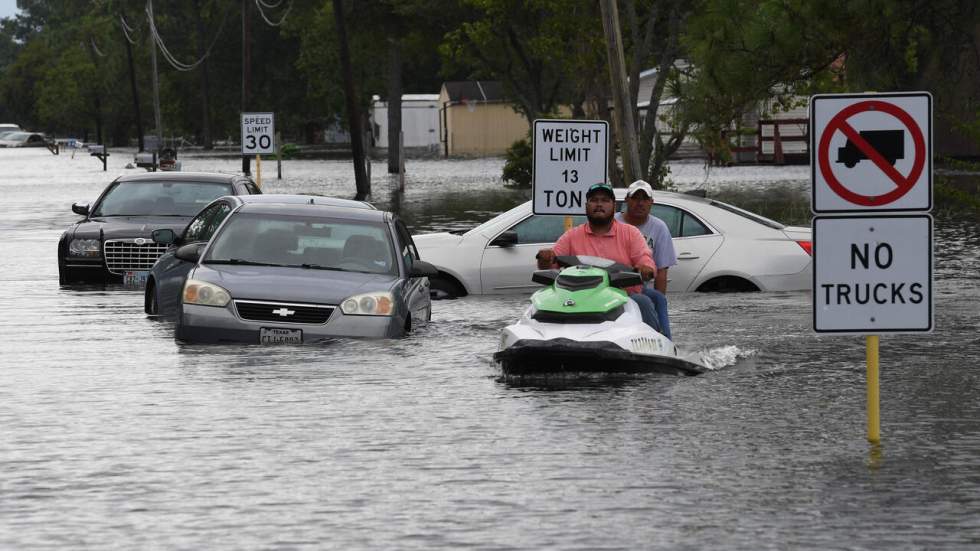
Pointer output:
258, 132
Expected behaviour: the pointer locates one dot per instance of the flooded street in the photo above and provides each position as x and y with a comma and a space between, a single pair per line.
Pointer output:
114, 436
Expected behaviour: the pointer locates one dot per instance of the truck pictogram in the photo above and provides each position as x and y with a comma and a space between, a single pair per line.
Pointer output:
890, 144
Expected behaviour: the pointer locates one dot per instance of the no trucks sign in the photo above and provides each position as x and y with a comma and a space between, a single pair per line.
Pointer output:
871, 152
569, 156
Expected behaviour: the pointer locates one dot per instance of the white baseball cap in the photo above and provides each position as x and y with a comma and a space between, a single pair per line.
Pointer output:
639, 185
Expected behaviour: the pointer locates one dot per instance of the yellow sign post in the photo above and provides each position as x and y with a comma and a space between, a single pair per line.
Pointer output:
874, 421
258, 171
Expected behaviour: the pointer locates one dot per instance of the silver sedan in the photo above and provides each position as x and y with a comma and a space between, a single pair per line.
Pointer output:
300, 273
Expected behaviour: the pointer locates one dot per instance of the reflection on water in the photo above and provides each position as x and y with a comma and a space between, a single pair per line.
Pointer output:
114, 433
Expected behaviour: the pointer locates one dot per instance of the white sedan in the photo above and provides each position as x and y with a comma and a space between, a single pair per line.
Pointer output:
719, 248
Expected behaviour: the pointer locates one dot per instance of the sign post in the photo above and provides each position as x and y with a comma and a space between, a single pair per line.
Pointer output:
258, 137
872, 272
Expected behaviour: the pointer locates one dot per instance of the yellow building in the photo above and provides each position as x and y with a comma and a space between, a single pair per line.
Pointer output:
475, 120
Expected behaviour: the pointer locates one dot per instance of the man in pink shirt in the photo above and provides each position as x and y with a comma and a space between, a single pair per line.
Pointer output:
605, 237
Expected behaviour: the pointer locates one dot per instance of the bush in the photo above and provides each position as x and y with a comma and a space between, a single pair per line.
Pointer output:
517, 169
288, 150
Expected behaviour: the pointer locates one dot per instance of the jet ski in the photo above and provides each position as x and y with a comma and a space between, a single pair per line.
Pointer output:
584, 322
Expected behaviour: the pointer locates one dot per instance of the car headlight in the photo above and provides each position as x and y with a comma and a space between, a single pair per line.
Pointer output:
368, 304
204, 293
85, 247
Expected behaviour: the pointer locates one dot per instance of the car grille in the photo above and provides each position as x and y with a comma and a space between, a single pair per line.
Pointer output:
130, 255
273, 311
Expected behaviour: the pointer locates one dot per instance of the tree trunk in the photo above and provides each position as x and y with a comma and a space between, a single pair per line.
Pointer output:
353, 113
205, 93
394, 105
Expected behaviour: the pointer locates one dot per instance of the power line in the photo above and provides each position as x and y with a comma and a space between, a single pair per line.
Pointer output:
171, 59
262, 4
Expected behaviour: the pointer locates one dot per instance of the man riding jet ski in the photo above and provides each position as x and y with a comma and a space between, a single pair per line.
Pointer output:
584, 322
604, 298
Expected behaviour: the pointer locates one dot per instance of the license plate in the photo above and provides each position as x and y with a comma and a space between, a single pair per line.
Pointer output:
135, 279
274, 335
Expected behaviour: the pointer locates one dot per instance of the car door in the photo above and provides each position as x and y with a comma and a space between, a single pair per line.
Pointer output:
416, 288
508, 268
694, 241
173, 270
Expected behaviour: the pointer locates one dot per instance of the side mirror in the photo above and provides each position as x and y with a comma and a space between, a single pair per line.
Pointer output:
625, 279
544, 277
190, 253
506, 239
421, 268
78, 208
165, 236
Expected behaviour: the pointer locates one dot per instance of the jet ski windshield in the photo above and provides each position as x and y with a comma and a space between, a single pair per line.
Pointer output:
594, 261
578, 282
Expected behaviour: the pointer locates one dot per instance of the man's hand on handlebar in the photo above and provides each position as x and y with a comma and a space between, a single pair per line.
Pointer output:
648, 273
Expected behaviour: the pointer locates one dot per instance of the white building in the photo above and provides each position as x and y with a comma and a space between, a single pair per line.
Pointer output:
420, 120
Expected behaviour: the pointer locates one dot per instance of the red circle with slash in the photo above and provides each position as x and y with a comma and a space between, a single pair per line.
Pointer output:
902, 183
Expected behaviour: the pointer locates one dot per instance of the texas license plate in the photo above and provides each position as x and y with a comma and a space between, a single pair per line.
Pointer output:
275, 335
135, 279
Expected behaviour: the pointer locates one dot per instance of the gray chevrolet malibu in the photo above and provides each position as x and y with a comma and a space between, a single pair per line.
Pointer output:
301, 273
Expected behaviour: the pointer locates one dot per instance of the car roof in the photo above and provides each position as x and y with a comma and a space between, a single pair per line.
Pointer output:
293, 199
216, 177
316, 210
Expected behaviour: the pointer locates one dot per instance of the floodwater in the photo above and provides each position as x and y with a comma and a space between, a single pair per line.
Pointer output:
113, 436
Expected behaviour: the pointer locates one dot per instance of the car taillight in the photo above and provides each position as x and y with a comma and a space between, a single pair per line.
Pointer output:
807, 246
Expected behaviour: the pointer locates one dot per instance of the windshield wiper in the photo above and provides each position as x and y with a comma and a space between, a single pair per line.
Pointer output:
318, 267
239, 262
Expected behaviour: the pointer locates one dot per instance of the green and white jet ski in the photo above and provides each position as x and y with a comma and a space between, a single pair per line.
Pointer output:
584, 322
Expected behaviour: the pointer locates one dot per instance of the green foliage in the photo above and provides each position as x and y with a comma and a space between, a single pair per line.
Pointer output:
288, 151
517, 169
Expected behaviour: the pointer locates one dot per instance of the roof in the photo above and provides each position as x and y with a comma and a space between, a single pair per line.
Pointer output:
480, 90
304, 200
317, 211
216, 177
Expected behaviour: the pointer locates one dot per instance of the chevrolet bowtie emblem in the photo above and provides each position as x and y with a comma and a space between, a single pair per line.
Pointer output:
284, 312
140, 241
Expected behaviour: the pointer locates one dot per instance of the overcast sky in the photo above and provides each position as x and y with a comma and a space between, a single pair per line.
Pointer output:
8, 8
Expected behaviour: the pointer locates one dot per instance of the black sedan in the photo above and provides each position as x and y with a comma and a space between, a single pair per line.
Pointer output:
113, 242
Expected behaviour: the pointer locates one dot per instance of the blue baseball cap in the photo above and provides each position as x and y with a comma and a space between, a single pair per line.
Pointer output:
601, 186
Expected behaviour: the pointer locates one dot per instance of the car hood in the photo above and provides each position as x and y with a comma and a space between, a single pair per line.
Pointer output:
292, 284
116, 227
440, 239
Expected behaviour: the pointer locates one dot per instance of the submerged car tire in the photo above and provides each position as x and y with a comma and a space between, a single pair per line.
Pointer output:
150, 304
728, 284
443, 288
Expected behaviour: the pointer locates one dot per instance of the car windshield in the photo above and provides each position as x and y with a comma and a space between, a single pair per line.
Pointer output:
159, 198
301, 242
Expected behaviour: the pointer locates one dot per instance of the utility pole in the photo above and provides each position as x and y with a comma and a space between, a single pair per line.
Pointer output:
156, 83
623, 114
353, 113
132, 84
205, 93
246, 51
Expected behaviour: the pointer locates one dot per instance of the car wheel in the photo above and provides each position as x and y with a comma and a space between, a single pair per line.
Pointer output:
727, 284
443, 288
150, 304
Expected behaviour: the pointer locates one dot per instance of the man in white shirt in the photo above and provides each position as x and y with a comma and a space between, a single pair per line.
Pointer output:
639, 200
